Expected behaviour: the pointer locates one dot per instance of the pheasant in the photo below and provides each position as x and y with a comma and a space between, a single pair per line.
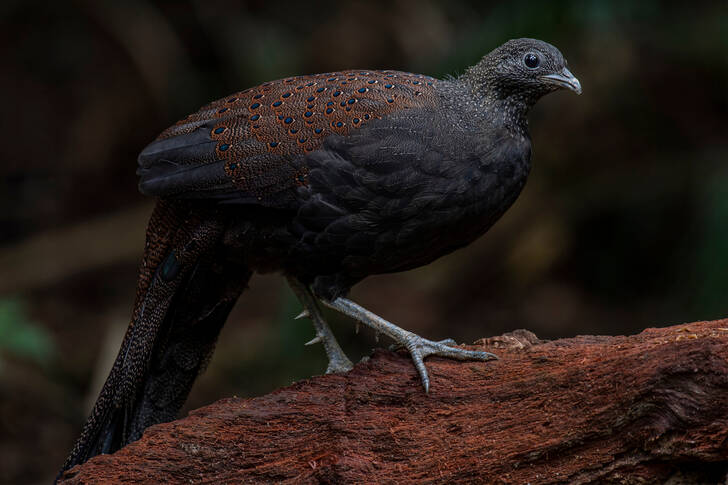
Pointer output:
327, 179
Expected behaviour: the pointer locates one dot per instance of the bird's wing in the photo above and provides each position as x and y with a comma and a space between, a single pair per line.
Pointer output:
248, 147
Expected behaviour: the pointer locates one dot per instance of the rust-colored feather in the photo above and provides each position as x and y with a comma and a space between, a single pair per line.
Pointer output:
259, 129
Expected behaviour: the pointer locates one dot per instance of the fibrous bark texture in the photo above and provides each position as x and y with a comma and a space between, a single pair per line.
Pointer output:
648, 408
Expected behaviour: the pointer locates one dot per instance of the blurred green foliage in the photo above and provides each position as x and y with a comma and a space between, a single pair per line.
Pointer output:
711, 261
22, 338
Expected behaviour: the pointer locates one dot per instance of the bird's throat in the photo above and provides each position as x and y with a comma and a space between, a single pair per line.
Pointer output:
510, 113
514, 112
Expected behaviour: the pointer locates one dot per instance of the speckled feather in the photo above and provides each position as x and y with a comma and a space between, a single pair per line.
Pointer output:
246, 144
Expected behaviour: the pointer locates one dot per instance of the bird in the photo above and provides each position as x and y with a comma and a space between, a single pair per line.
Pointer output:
326, 179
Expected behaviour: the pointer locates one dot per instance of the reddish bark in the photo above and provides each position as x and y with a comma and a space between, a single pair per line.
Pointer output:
638, 409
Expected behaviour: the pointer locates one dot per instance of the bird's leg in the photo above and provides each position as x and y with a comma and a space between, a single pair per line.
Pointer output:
338, 361
418, 347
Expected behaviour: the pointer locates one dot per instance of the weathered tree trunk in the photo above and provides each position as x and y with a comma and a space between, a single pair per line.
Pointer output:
649, 408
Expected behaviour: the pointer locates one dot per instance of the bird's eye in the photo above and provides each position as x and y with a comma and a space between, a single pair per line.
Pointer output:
531, 61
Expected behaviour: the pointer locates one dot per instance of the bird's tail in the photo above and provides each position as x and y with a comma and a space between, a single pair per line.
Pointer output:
186, 289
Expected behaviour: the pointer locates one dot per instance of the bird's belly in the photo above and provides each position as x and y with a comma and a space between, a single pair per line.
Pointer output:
390, 234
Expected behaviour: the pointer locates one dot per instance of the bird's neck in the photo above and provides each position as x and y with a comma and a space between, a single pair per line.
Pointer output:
504, 107
511, 113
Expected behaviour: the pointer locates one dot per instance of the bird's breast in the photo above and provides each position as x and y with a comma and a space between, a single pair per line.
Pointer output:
403, 193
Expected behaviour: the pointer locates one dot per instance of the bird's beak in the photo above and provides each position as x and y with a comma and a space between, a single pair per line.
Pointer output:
564, 80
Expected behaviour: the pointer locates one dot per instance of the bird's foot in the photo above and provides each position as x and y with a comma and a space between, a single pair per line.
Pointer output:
338, 361
448, 341
418, 347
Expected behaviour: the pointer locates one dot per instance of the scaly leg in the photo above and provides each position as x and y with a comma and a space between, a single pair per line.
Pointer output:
338, 361
418, 347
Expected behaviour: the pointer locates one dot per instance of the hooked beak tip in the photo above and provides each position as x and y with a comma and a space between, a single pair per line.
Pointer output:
564, 80
575, 85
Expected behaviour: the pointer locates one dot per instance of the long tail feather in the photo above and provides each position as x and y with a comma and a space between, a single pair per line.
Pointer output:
186, 290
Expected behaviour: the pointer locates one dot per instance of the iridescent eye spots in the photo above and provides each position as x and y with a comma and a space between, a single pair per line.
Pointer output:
294, 115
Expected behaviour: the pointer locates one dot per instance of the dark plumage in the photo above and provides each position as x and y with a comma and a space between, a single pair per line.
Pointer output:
328, 179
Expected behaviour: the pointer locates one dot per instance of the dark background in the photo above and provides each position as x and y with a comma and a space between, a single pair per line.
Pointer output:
623, 224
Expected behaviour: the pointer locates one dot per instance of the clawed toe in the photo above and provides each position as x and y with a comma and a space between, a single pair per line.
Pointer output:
448, 350
420, 348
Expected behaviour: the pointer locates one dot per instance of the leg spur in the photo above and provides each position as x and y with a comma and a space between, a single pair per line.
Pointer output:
338, 361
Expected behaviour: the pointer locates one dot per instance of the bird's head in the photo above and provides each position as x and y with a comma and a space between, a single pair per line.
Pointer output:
522, 70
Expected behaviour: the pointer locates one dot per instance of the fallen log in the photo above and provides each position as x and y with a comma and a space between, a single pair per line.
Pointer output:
647, 408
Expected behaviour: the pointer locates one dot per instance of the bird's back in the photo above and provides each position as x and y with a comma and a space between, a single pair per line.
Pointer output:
248, 147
